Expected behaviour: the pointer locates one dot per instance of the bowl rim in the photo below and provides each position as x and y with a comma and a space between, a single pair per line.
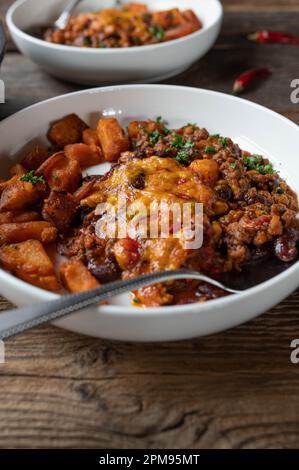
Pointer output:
2, 41
129, 311
91, 51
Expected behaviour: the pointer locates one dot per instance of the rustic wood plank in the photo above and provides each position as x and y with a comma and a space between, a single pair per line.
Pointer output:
237, 389
258, 5
233, 390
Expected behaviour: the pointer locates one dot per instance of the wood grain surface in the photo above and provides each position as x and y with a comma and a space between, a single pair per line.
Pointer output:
237, 389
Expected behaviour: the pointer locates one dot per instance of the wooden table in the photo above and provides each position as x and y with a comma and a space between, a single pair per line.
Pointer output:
237, 389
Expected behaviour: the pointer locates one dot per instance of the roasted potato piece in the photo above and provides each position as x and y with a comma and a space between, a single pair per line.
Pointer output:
167, 18
5, 184
21, 231
208, 170
35, 158
90, 137
112, 138
61, 173
60, 209
76, 277
179, 31
190, 16
85, 155
136, 8
9, 217
135, 127
30, 262
20, 195
126, 251
85, 190
17, 170
67, 130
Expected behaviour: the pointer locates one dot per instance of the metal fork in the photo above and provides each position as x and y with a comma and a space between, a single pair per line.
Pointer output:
18, 320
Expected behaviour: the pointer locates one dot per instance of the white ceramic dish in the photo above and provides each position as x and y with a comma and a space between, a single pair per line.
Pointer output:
256, 128
105, 66
2, 42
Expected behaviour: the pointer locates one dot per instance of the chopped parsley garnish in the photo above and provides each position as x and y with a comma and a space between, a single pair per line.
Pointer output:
136, 300
102, 45
30, 177
215, 136
267, 169
182, 156
189, 144
157, 31
223, 141
178, 141
154, 137
279, 190
233, 165
159, 120
255, 162
210, 149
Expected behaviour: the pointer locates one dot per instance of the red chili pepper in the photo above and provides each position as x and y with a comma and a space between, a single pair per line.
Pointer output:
270, 37
245, 78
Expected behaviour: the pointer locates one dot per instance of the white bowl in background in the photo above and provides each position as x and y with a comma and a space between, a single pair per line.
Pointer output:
2, 42
103, 66
254, 127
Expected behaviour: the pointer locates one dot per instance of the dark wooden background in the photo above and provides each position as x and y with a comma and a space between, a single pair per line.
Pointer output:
237, 389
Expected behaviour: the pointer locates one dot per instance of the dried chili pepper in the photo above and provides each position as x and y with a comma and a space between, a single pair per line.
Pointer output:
247, 77
271, 37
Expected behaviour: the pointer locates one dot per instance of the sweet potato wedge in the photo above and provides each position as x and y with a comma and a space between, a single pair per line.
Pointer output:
208, 170
179, 31
135, 127
85, 155
60, 209
9, 217
20, 195
76, 278
21, 231
85, 190
112, 138
6, 183
190, 16
67, 130
35, 158
61, 173
167, 18
90, 137
29, 261
137, 8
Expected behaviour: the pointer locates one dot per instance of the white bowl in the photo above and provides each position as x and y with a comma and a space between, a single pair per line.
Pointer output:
254, 127
2, 42
103, 66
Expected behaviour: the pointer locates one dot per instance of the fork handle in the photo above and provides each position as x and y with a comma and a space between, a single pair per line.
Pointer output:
61, 22
19, 320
